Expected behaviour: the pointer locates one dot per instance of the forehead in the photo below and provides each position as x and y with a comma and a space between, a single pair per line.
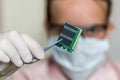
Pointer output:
78, 11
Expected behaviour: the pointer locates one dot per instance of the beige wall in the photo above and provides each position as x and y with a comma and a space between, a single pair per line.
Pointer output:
115, 40
24, 16
28, 16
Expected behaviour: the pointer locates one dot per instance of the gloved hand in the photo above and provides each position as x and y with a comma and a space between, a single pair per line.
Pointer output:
19, 48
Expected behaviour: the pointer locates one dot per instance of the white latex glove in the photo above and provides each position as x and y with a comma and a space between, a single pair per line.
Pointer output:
19, 48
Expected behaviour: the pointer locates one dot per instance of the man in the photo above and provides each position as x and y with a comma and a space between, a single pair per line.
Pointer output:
87, 62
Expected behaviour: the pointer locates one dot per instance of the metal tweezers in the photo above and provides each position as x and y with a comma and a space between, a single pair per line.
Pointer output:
51, 45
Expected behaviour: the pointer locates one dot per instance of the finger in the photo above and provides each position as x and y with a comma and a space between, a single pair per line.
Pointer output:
11, 52
34, 47
20, 45
3, 57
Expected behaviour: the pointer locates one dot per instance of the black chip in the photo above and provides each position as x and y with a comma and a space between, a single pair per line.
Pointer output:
68, 33
72, 27
65, 41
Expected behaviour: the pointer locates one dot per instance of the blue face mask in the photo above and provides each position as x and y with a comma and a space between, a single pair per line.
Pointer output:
88, 54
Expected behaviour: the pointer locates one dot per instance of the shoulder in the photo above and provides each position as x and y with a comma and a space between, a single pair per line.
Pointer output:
115, 65
112, 65
109, 70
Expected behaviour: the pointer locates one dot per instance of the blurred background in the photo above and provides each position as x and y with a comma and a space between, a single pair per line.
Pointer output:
28, 16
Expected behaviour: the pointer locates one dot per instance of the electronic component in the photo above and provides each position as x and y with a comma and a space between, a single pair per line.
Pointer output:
69, 36
67, 40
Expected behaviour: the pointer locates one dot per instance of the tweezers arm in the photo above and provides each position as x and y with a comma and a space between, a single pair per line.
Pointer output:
12, 68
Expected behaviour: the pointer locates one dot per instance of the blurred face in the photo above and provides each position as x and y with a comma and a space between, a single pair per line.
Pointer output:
89, 14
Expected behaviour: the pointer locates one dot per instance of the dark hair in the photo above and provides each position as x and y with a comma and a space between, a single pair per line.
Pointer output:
109, 8
48, 17
108, 2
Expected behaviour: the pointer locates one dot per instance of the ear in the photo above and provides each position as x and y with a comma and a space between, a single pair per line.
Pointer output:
109, 30
47, 27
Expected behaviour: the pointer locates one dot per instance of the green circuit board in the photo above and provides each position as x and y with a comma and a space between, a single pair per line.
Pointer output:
69, 36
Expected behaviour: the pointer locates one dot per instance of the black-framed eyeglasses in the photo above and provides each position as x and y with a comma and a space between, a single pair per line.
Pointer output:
89, 30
